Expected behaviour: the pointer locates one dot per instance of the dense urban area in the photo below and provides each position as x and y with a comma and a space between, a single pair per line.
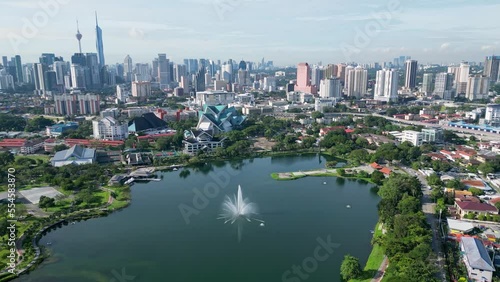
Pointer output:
76, 134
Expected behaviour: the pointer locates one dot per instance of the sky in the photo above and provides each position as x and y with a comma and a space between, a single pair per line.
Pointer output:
284, 31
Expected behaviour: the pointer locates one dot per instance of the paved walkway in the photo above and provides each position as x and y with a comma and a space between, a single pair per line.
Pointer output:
381, 270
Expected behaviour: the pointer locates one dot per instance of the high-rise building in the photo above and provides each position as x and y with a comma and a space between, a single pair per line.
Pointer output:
128, 68
47, 59
386, 85
65, 104
141, 90
77, 77
179, 71
5, 61
163, 71
79, 38
316, 76
411, 74
89, 104
477, 87
330, 71
356, 81
19, 70
341, 72
39, 71
491, 68
227, 72
443, 87
304, 79
99, 43
59, 68
330, 88
199, 82
94, 71
492, 113
427, 83
463, 78
243, 77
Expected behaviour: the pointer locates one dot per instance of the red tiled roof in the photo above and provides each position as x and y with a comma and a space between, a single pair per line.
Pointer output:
376, 166
472, 206
473, 183
386, 170
349, 130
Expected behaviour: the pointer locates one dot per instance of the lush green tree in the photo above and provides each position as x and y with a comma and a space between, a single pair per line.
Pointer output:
476, 191
316, 115
486, 168
360, 155
6, 158
60, 147
409, 205
350, 268
9, 122
38, 124
455, 183
377, 177
434, 180
46, 202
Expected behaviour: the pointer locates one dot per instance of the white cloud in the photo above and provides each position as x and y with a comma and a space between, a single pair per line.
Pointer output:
314, 19
21, 4
445, 46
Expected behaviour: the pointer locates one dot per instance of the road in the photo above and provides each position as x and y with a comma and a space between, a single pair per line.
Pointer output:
428, 207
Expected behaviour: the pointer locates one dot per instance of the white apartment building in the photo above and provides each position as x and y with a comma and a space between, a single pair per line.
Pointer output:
214, 98
414, 137
109, 129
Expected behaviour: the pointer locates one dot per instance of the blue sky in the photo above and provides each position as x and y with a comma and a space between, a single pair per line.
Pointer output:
438, 31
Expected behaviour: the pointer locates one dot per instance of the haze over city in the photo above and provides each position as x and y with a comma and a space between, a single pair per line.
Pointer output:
286, 32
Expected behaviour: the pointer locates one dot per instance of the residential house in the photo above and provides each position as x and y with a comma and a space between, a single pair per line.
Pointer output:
477, 260
467, 207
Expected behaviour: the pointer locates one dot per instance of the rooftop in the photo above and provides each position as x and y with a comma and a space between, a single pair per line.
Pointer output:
476, 254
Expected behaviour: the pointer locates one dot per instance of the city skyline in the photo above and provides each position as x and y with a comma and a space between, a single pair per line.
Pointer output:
443, 38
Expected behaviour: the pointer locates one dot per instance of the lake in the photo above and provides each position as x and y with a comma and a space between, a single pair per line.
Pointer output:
171, 231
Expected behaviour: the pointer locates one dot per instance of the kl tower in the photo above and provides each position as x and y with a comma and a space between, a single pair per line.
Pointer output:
79, 37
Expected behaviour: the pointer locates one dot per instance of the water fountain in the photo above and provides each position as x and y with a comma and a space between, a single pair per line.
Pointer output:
239, 210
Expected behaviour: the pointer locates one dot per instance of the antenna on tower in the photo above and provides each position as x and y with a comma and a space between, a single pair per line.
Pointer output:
96, 23
79, 36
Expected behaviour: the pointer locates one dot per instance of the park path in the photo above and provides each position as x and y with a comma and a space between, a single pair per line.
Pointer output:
381, 270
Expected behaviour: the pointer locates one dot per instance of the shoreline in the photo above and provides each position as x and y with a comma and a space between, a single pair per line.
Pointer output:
41, 254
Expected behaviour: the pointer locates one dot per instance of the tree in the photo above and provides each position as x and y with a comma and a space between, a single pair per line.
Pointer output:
408, 205
476, 191
486, 168
316, 115
46, 202
60, 147
377, 177
350, 268
6, 158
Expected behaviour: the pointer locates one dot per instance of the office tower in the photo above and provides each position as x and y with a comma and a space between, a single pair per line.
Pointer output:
79, 59
243, 78
51, 81
199, 81
386, 85
443, 87
316, 76
6, 80
77, 77
39, 71
427, 83
65, 104
141, 90
212, 68
463, 78
356, 81
47, 59
163, 71
58, 67
208, 79
456, 74
127, 68
330, 71
142, 72
93, 67
4, 61
19, 69
89, 104
330, 88
269, 83
99, 43
179, 71
491, 67
227, 72
120, 70
411, 74
477, 87
155, 69
184, 83
242, 65
304, 79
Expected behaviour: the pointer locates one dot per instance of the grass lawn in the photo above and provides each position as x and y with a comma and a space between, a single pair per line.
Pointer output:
44, 158
374, 260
